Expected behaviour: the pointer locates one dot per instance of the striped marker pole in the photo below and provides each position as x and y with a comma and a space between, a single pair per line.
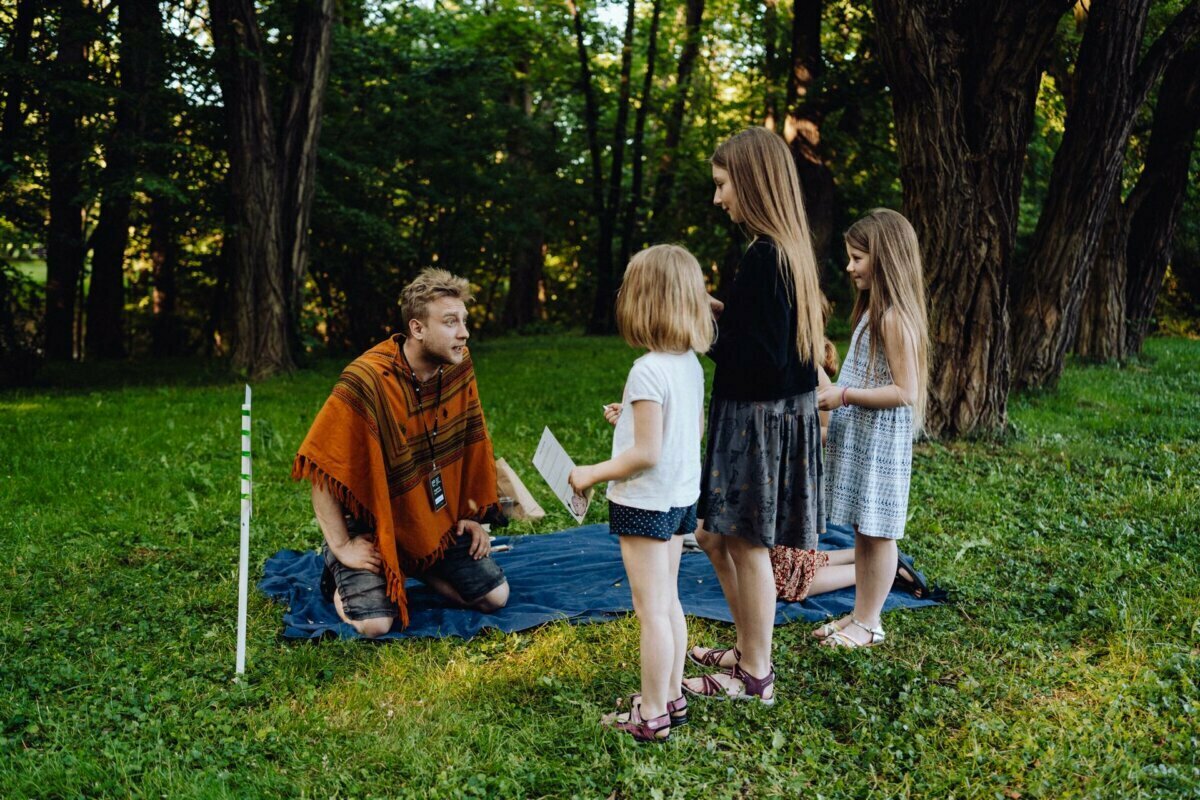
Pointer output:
244, 560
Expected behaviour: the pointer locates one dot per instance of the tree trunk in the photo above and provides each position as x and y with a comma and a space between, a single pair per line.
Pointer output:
164, 258
521, 303
1157, 199
66, 153
17, 55
1101, 334
639, 141
139, 26
964, 80
664, 183
1110, 86
602, 320
312, 43
802, 129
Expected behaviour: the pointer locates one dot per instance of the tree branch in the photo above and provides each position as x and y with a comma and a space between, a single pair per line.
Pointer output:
1173, 39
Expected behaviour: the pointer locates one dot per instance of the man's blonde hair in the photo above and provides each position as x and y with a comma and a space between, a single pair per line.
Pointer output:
767, 190
428, 286
663, 303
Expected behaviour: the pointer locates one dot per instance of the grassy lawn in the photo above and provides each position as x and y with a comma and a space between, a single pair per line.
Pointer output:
1066, 664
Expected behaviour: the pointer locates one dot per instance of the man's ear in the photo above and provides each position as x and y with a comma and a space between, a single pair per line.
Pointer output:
416, 329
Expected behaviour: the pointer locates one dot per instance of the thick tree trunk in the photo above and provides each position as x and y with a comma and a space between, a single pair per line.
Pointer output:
591, 120
17, 55
664, 183
802, 129
964, 80
164, 258
1101, 334
639, 142
139, 26
1110, 87
312, 43
1157, 199
66, 153
602, 319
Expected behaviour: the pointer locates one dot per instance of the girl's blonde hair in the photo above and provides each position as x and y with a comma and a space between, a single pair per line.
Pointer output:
663, 304
897, 285
767, 190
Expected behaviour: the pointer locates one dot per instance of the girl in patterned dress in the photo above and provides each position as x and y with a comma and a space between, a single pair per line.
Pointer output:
654, 473
761, 482
877, 406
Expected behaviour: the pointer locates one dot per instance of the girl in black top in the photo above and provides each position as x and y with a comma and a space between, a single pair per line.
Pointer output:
761, 482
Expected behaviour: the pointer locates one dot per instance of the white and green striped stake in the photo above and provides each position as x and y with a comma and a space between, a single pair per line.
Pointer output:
244, 561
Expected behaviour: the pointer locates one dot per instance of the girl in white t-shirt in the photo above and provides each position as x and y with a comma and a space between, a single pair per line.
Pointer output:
654, 472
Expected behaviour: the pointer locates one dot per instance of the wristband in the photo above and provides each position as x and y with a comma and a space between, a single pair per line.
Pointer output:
844, 403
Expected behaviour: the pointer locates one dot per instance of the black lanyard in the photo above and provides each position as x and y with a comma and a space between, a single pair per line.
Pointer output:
430, 438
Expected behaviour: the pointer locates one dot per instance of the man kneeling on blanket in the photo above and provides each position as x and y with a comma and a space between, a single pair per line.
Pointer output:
402, 468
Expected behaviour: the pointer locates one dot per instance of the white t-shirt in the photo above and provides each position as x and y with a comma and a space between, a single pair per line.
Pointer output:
675, 381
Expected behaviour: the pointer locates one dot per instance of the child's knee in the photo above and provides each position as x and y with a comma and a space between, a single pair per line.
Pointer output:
374, 627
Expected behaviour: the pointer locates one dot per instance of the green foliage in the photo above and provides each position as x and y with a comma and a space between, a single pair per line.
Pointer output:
1065, 665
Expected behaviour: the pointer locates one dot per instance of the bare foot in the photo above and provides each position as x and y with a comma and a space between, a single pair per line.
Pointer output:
830, 628
728, 658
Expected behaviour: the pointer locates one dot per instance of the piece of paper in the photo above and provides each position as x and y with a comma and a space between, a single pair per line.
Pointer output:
555, 467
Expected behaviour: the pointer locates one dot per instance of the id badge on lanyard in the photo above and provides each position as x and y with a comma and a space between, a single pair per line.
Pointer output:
437, 492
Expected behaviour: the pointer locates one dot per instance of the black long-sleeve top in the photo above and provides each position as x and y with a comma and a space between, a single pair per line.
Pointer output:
755, 352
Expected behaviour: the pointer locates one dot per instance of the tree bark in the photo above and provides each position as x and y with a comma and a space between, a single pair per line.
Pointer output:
17, 55
964, 80
139, 26
522, 303
1156, 202
312, 44
66, 153
1110, 86
259, 290
639, 141
664, 183
1102, 319
602, 319
802, 129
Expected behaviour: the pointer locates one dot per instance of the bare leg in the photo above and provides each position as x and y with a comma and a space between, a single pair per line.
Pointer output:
831, 578
678, 623
647, 562
492, 601
875, 570
714, 546
839, 557
756, 620
371, 628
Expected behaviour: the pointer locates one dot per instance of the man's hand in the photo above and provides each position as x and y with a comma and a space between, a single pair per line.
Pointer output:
581, 480
481, 545
612, 412
829, 398
360, 553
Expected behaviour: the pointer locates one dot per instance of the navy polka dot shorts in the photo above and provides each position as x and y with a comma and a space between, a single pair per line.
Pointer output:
661, 525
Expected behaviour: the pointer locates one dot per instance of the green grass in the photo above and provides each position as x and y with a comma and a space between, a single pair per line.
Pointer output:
1066, 665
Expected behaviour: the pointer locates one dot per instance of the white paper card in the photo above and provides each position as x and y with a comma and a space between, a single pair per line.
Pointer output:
554, 465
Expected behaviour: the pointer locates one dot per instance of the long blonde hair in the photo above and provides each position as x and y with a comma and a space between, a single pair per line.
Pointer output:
897, 285
663, 304
767, 189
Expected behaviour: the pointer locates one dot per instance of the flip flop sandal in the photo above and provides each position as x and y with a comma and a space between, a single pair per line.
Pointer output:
642, 730
916, 586
842, 639
827, 630
712, 657
752, 688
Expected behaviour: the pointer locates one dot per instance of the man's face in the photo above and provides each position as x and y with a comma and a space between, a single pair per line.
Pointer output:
443, 333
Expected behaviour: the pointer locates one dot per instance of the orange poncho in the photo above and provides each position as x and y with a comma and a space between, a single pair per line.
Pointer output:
368, 446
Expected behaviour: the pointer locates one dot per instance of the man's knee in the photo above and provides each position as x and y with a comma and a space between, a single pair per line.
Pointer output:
494, 600
374, 627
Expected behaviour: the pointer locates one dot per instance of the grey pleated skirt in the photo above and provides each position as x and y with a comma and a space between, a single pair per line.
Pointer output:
762, 471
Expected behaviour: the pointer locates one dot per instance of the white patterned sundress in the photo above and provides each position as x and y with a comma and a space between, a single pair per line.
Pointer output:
868, 454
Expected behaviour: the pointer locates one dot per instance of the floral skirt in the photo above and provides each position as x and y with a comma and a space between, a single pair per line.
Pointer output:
762, 471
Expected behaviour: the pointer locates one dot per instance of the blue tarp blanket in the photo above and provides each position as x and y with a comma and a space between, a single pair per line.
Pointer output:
574, 575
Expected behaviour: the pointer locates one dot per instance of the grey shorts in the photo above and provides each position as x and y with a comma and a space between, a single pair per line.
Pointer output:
364, 594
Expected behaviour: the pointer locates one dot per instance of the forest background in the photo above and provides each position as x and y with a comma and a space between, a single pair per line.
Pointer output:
257, 181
